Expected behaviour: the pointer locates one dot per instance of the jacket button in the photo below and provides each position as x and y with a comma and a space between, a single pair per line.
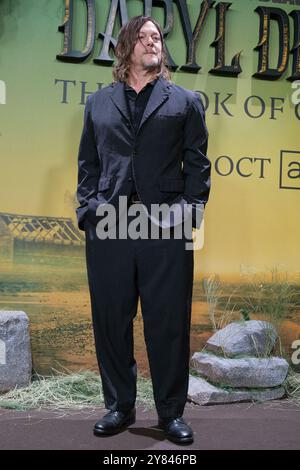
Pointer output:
129, 179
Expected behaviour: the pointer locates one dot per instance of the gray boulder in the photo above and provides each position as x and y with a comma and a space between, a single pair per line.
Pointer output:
204, 393
250, 338
15, 351
249, 372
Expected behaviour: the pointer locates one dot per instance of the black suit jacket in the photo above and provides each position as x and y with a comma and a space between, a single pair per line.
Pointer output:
166, 156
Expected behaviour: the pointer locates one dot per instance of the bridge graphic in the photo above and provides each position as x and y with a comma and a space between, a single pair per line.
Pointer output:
40, 239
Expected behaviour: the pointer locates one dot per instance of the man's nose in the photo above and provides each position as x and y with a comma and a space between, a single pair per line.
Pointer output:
150, 41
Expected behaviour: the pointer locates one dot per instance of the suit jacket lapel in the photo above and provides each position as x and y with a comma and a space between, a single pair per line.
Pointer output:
159, 94
119, 99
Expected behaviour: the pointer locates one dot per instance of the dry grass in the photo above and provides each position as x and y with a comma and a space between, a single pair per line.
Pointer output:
62, 391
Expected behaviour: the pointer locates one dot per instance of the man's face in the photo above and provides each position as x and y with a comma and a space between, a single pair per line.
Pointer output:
147, 52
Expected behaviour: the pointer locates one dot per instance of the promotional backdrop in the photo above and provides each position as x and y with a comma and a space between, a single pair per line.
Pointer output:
245, 67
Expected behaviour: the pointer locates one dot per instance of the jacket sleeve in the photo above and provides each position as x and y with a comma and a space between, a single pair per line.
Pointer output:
196, 165
88, 166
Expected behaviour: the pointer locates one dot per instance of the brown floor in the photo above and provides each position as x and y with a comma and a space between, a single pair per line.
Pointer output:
272, 425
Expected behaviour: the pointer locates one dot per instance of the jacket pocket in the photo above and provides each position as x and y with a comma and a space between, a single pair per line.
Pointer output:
171, 184
166, 115
104, 183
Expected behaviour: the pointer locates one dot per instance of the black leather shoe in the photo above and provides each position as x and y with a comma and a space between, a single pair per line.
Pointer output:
114, 422
176, 430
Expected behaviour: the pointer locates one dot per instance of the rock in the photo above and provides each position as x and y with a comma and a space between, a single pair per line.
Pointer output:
251, 338
15, 351
203, 393
247, 372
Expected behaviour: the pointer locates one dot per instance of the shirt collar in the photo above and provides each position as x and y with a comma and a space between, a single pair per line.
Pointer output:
152, 83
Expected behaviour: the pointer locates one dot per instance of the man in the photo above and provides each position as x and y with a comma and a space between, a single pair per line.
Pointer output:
146, 139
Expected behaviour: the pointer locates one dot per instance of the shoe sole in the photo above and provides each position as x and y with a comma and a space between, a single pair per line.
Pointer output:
183, 440
127, 423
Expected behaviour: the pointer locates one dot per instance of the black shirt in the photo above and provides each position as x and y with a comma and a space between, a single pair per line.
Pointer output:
136, 103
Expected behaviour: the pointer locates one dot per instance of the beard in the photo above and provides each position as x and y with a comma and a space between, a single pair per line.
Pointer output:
154, 65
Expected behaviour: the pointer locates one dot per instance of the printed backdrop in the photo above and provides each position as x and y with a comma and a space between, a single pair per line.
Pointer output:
250, 258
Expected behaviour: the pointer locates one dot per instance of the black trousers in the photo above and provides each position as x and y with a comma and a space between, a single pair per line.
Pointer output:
160, 272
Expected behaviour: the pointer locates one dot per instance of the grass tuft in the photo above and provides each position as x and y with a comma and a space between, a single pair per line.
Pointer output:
68, 390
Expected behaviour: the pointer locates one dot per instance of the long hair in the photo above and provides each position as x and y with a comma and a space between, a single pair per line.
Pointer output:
127, 39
